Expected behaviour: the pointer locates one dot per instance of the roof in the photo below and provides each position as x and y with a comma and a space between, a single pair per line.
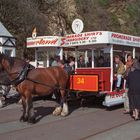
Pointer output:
4, 31
83, 39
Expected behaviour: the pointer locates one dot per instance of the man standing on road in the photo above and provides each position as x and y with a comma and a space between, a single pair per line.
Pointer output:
128, 65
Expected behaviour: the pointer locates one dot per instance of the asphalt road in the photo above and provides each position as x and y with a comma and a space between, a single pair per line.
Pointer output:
84, 123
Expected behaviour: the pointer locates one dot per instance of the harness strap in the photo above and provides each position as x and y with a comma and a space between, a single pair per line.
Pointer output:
47, 85
22, 76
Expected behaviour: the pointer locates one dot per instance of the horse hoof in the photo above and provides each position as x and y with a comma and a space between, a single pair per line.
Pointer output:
57, 111
64, 114
23, 119
32, 120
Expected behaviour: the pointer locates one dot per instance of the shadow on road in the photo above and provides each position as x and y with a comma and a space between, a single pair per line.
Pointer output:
42, 111
11, 100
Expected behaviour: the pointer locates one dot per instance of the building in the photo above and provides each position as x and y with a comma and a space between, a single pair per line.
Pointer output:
7, 42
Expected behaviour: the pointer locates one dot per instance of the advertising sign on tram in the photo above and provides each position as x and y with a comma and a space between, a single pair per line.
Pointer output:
43, 41
87, 38
124, 39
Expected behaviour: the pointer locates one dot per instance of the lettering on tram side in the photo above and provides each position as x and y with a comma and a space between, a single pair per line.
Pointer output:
125, 39
43, 42
83, 38
80, 81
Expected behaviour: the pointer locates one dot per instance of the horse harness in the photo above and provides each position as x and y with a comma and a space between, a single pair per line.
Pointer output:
23, 76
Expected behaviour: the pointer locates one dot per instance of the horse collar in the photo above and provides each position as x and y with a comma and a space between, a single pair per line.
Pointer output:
22, 76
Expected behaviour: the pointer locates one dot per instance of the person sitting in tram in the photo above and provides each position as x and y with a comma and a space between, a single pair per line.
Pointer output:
65, 66
119, 71
89, 63
81, 62
55, 62
71, 63
128, 63
101, 62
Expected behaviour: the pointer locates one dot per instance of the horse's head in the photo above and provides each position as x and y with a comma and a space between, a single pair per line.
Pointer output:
3, 75
1, 60
5, 62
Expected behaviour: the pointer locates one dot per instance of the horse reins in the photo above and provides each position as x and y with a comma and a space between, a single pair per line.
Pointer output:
37, 82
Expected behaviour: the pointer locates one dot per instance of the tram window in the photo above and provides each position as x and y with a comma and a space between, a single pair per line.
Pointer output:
103, 61
102, 58
89, 63
41, 56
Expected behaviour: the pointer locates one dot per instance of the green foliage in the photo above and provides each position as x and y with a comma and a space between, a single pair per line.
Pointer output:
133, 10
115, 25
114, 19
50, 16
104, 3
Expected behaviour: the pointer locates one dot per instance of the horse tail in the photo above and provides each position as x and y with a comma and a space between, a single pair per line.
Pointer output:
68, 85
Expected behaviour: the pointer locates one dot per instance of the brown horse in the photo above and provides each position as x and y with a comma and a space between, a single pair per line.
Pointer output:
39, 81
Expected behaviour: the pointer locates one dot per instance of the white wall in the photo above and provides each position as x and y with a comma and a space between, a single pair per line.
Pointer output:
12, 48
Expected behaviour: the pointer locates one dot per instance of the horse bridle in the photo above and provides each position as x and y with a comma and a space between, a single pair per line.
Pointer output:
15, 81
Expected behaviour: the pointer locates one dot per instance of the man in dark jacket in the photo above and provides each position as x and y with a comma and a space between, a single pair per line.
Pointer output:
134, 89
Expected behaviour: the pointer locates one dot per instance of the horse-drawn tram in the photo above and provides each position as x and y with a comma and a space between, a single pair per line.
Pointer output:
97, 49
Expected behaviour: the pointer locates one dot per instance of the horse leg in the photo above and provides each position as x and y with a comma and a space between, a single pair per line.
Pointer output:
65, 110
31, 114
57, 111
24, 116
